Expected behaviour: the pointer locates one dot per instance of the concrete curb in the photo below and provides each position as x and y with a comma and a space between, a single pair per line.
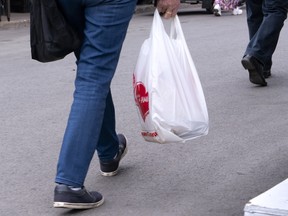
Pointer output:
23, 20
14, 24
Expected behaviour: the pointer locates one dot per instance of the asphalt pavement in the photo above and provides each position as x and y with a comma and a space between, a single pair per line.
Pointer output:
244, 154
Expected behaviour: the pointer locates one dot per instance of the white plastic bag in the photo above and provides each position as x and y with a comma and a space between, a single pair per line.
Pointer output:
167, 90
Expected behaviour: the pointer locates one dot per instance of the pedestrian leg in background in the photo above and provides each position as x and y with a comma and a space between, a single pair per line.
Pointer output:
265, 20
227, 5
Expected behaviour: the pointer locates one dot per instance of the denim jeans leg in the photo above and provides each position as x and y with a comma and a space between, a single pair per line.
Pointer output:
108, 145
92, 119
254, 16
264, 42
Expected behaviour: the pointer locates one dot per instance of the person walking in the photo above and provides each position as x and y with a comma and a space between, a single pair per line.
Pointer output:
265, 19
91, 123
226, 5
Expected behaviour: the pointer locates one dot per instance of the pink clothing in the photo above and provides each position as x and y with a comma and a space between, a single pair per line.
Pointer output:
227, 4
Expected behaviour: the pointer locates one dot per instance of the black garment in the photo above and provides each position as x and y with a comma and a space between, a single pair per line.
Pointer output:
51, 37
265, 19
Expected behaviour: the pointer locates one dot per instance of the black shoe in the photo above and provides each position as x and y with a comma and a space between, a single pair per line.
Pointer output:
267, 73
110, 168
65, 197
255, 69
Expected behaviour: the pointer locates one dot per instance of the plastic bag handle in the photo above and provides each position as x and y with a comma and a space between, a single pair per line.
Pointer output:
158, 28
176, 31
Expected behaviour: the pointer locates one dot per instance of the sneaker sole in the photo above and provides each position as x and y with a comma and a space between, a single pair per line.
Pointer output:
78, 205
254, 76
109, 174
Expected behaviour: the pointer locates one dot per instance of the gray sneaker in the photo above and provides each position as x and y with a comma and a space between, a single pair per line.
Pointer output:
110, 168
65, 197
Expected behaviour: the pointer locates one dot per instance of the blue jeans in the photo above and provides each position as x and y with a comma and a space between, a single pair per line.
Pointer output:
91, 125
265, 19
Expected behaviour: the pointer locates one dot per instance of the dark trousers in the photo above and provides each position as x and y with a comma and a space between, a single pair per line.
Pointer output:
265, 19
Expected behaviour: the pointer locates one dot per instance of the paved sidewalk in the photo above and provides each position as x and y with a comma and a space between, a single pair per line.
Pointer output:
244, 154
